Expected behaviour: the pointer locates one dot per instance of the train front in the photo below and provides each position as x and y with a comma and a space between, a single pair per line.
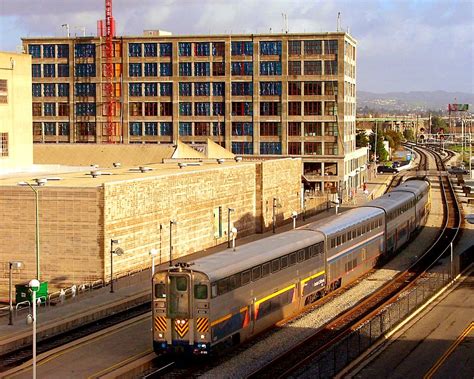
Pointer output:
181, 302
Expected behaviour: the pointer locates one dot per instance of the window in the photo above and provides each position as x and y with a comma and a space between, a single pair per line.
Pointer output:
49, 90
36, 109
270, 108
218, 49
166, 109
218, 89
312, 108
184, 49
292, 259
270, 128
151, 128
313, 88
49, 51
330, 148
330, 88
202, 109
85, 50
270, 47
135, 89
218, 68
165, 69
85, 89
294, 128
275, 265
294, 88
160, 291
265, 269
135, 69
330, 67
150, 49
312, 129
218, 128
135, 128
135, 109
256, 273
151, 89
242, 148
63, 51
185, 129
202, 69
165, 49
36, 90
294, 108
270, 148
242, 108
330, 108
49, 70
312, 148
200, 291
63, 89
34, 51
270, 68
36, 70
202, 49
246, 277
313, 47
63, 128
202, 89
218, 109
294, 148
294, 68
151, 69
242, 129
284, 262
312, 68
242, 48
185, 109
202, 129
134, 49
85, 109
151, 109
85, 69
294, 47
270, 88
242, 68
330, 47
85, 129
166, 128
49, 128
49, 109
185, 89
185, 69
166, 89
63, 109
242, 88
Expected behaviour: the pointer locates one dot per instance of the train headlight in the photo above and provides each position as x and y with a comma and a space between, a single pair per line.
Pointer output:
182, 322
160, 335
203, 336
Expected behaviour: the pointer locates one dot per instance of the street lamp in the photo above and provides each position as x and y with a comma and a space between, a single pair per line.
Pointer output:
233, 232
172, 222
34, 287
229, 210
294, 215
153, 253
15, 265
118, 251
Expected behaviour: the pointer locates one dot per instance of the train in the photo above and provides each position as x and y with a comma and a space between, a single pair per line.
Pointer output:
202, 307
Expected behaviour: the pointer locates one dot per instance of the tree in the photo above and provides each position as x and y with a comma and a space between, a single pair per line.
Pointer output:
382, 154
438, 125
409, 135
394, 138
361, 139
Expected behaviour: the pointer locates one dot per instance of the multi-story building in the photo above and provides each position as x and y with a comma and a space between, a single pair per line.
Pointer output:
266, 95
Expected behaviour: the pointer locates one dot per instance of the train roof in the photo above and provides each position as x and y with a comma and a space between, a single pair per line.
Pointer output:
414, 186
228, 262
340, 222
391, 200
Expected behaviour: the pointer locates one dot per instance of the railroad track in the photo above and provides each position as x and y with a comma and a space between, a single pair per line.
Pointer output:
300, 356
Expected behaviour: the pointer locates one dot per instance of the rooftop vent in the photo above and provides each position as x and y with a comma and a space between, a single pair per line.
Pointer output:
238, 159
40, 181
220, 161
95, 173
145, 169
117, 164
181, 165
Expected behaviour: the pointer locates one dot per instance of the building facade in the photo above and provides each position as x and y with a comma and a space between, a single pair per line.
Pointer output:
267, 95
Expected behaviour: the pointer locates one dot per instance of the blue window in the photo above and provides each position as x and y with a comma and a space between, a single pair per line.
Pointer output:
202, 89
135, 128
36, 70
242, 148
270, 88
50, 109
270, 148
63, 89
151, 69
85, 89
134, 49
151, 128
202, 109
242, 48
185, 89
185, 129
202, 49
49, 128
166, 128
242, 68
270, 68
63, 128
242, 88
49, 90
165, 69
151, 89
185, 109
135, 69
34, 51
185, 69
242, 129
151, 49
165, 49
242, 108
218, 89
85, 109
63, 70
218, 109
202, 69
166, 89
49, 51
49, 70
85, 69
270, 47
63, 51
218, 128
36, 89
184, 49
85, 50
135, 89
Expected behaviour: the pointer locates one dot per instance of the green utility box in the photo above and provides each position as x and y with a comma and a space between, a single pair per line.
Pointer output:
23, 292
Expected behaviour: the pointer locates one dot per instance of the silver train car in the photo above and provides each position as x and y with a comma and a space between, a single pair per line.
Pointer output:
231, 296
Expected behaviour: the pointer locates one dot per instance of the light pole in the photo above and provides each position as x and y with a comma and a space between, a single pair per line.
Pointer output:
153, 253
172, 222
34, 287
234, 236
229, 210
118, 252
294, 215
375, 149
15, 265
274, 206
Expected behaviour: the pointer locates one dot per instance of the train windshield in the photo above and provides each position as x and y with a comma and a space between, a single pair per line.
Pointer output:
181, 282
200, 291
160, 291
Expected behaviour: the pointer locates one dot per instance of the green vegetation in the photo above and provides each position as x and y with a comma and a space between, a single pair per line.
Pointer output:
409, 135
438, 125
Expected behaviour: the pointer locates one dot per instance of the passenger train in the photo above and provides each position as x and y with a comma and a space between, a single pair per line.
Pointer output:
230, 296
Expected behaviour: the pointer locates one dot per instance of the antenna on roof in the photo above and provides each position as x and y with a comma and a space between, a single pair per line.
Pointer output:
338, 25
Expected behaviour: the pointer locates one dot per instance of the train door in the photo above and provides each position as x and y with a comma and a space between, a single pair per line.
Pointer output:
180, 305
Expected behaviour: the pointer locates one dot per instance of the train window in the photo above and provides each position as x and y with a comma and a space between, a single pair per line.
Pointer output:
300, 255
256, 273
214, 290
292, 259
338, 240
344, 238
275, 265
181, 283
265, 269
307, 253
245, 277
200, 291
160, 291
223, 286
333, 243
284, 261
234, 282
359, 231
354, 234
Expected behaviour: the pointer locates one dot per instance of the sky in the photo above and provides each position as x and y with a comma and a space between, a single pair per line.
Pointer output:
403, 45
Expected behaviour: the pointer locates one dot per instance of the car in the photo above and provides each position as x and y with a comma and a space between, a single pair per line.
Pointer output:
383, 169
396, 164
457, 171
